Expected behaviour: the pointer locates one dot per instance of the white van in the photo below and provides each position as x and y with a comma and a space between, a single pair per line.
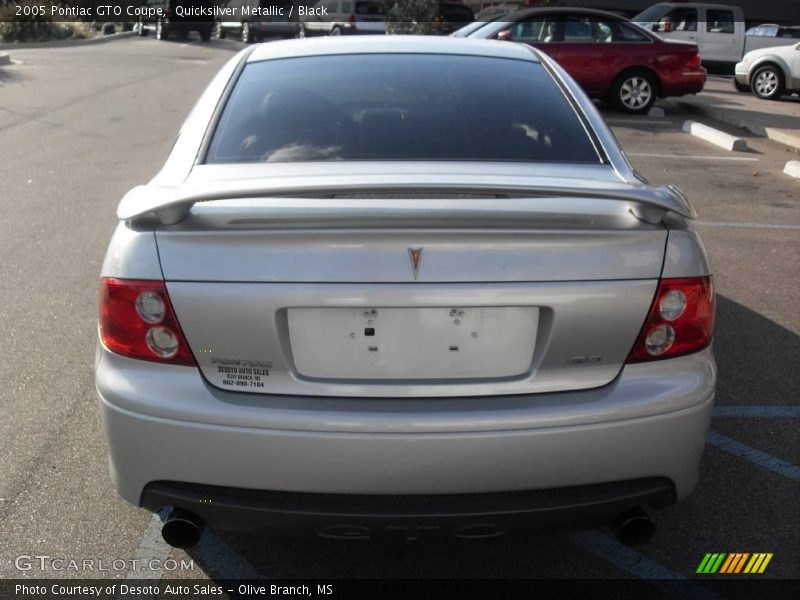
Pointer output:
717, 29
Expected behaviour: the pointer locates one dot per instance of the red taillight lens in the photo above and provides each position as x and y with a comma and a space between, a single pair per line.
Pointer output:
137, 320
694, 62
681, 320
351, 19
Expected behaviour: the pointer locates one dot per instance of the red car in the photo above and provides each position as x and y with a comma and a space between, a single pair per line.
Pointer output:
609, 56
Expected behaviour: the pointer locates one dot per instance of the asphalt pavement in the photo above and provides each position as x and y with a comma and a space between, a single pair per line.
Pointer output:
80, 126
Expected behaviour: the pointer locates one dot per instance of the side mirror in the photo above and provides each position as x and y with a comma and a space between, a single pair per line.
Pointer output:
504, 36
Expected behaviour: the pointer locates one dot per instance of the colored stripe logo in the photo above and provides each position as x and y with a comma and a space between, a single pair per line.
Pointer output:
734, 563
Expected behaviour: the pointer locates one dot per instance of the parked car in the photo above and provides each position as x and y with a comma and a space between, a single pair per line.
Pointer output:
770, 72
348, 17
451, 16
608, 56
260, 19
770, 35
717, 29
397, 282
175, 20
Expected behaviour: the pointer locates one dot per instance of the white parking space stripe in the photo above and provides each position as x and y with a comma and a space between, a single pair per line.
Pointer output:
762, 459
152, 549
637, 122
632, 562
746, 225
694, 156
769, 412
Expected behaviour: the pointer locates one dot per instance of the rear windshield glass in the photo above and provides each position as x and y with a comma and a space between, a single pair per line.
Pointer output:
398, 107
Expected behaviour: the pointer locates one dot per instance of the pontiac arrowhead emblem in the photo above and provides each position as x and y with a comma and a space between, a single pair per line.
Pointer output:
415, 254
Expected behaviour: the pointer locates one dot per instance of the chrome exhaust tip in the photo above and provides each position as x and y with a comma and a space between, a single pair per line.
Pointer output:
181, 529
634, 527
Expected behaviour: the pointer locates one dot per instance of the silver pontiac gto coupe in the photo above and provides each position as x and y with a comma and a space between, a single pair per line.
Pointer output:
399, 284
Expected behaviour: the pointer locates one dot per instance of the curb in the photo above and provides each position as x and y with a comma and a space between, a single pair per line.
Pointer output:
715, 136
101, 39
792, 169
783, 136
5, 59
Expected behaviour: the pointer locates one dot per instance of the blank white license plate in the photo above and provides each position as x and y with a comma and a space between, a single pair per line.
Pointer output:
412, 343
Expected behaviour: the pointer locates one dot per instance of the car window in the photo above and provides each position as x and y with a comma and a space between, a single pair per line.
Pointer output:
346, 7
679, 19
623, 32
370, 7
398, 107
719, 21
528, 31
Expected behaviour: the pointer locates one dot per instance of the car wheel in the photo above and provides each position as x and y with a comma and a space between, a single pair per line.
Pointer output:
247, 36
162, 33
219, 32
205, 34
140, 30
335, 31
740, 87
767, 83
301, 32
634, 92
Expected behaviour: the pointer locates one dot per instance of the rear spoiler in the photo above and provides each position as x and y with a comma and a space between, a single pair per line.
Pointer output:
170, 205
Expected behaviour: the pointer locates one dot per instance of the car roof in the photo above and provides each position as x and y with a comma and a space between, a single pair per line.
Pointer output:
390, 44
564, 10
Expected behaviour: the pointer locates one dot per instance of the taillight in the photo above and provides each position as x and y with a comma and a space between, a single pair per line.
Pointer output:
351, 19
681, 320
137, 321
694, 62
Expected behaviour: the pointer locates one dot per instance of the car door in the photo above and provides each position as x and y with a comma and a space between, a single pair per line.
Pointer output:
719, 36
680, 23
587, 51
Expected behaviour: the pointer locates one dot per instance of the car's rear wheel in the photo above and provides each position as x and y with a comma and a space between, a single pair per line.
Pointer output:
336, 31
139, 28
301, 32
205, 34
247, 35
219, 32
634, 92
767, 82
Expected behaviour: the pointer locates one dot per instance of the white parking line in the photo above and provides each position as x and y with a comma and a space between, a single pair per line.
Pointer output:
638, 122
762, 459
745, 225
694, 156
629, 560
768, 411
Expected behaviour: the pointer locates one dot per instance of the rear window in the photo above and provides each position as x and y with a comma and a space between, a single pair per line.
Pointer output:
370, 8
398, 107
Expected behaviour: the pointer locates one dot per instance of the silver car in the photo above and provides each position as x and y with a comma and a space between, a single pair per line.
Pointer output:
399, 284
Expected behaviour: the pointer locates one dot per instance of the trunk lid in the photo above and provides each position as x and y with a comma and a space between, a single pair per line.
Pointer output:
412, 293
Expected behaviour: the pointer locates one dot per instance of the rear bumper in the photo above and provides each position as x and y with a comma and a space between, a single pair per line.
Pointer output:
165, 423
341, 516
687, 82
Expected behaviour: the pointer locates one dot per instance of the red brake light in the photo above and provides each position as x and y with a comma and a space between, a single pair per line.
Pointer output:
681, 320
694, 62
137, 321
351, 19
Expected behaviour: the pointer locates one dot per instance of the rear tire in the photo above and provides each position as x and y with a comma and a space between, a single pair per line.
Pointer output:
336, 31
219, 32
247, 35
140, 30
205, 35
767, 82
634, 92
301, 32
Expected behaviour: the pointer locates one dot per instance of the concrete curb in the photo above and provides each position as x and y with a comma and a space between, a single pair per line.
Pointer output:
101, 39
5, 59
783, 136
715, 136
792, 169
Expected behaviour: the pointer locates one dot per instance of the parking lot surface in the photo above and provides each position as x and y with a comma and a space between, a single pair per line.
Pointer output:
80, 126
